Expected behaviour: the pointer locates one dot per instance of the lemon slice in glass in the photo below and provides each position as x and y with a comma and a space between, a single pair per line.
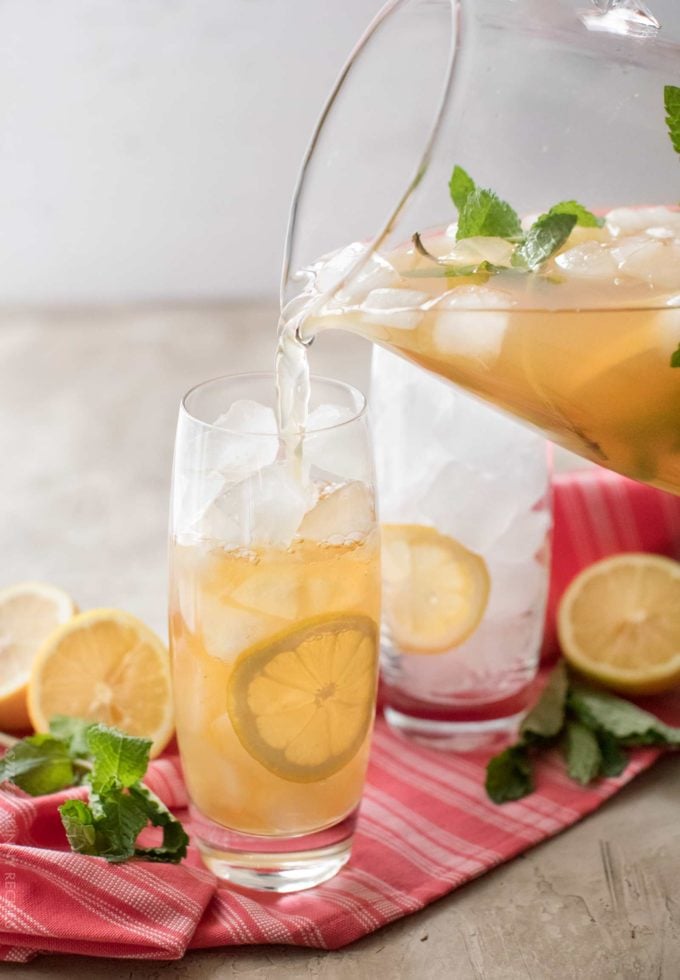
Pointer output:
302, 703
435, 590
619, 623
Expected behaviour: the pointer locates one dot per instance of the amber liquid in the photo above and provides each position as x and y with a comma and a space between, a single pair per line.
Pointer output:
596, 382
224, 603
586, 360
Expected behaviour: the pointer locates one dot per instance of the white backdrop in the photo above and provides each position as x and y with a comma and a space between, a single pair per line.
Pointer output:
148, 148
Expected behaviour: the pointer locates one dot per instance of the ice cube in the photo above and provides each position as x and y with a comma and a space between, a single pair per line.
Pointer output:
499, 656
470, 505
629, 221
663, 234
264, 509
273, 588
527, 474
591, 260
327, 416
374, 273
470, 432
245, 415
398, 309
471, 323
227, 629
335, 446
524, 468
523, 539
341, 515
224, 453
193, 492
405, 404
654, 260
239, 442
444, 458
516, 588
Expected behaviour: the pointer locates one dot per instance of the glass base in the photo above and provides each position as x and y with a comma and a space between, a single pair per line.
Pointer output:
273, 864
456, 736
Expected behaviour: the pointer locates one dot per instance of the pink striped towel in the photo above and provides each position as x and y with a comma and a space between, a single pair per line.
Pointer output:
425, 828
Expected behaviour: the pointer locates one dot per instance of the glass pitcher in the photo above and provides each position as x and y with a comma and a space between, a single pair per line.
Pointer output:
491, 192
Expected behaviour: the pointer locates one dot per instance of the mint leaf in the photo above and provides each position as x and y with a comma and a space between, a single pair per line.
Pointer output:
461, 186
583, 216
117, 759
78, 822
546, 718
596, 728
628, 724
110, 825
175, 839
484, 214
119, 808
118, 820
582, 753
614, 759
546, 235
675, 357
671, 101
73, 731
509, 775
39, 764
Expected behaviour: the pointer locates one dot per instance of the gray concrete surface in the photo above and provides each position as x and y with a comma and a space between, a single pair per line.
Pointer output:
87, 412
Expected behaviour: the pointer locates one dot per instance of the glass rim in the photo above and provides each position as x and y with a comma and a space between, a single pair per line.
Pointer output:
357, 412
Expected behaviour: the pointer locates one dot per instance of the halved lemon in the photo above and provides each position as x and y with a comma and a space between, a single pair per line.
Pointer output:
619, 623
302, 703
435, 590
105, 665
29, 612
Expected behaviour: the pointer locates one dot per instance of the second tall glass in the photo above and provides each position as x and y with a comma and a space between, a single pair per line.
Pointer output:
464, 500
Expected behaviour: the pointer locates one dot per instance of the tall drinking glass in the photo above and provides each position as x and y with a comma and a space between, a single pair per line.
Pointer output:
274, 605
465, 508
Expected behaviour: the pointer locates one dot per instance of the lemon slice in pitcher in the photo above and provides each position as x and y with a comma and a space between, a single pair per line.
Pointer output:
302, 703
619, 623
436, 590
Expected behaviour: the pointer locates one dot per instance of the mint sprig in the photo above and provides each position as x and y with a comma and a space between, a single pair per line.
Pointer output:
482, 213
671, 101
111, 764
593, 729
